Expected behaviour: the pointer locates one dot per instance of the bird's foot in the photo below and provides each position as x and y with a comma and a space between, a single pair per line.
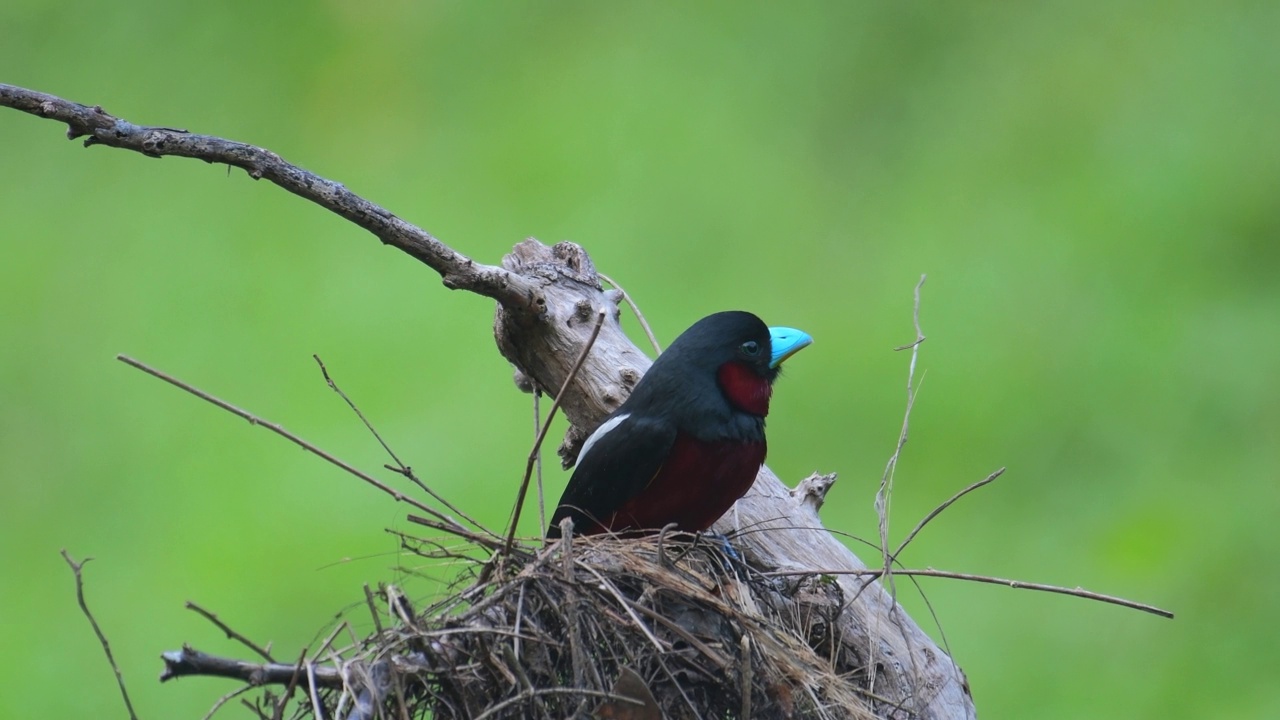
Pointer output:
733, 561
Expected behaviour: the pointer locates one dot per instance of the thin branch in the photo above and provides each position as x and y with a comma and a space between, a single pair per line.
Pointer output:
537, 444
76, 568
314, 691
622, 601
495, 710
458, 271
648, 331
328, 379
1016, 584
446, 523
884, 494
485, 541
938, 510
373, 610
225, 699
537, 467
400, 468
189, 661
278, 712
254, 707
231, 634
720, 661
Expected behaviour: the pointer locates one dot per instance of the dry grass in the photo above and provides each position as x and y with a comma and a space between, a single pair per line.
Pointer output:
549, 634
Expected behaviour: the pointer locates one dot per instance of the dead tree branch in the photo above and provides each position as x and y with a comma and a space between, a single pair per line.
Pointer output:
189, 661
98, 127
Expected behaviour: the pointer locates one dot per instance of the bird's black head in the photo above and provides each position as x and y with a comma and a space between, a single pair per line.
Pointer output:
734, 352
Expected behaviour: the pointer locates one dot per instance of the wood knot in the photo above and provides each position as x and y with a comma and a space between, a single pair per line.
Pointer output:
153, 144
524, 383
812, 491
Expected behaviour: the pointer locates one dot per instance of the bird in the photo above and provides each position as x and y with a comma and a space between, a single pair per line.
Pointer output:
689, 440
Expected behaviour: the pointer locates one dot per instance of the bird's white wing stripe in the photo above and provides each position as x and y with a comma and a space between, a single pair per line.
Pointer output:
599, 433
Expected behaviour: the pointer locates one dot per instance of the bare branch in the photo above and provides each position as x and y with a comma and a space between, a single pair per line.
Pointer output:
445, 522
278, 713
458, 271
885, 493
399, 468
497, 708
537, 465
601, 314
644, 324
77, 567
217, 705
231, 634
189, 661
1016, 584
373, 610
938, 510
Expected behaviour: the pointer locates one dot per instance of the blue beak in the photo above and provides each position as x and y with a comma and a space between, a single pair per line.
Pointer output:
786, 342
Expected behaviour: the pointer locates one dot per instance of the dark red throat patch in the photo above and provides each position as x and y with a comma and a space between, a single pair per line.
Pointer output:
745, 389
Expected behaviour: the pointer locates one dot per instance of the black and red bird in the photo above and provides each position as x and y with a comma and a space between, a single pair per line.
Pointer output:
689, 441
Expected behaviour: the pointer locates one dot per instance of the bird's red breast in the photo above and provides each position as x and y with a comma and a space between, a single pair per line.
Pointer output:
697, 484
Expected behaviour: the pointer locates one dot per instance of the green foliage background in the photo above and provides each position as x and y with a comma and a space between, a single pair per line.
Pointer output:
1091, 187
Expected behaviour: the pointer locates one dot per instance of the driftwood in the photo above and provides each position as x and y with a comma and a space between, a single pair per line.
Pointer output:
548, 299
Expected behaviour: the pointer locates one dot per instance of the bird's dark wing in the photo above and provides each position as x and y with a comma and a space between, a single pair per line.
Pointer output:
617, 462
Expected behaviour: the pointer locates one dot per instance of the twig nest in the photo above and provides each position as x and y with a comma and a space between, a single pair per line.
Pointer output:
670, 626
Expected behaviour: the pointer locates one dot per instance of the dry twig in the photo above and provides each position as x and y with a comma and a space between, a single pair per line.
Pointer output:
631, 303
445, 522
938, 510
77, 568
1015, 584
399, 468
458, 271
885, 493
542, 435
262, 652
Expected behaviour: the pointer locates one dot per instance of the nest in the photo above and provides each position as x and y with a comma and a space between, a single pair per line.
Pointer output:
644, 628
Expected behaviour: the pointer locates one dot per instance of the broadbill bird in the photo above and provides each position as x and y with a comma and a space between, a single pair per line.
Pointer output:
689, 440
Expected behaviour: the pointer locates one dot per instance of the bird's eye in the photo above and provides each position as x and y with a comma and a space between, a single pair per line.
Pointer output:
751, 348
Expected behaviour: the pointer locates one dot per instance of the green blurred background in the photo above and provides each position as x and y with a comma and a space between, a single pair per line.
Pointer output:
1091, 187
